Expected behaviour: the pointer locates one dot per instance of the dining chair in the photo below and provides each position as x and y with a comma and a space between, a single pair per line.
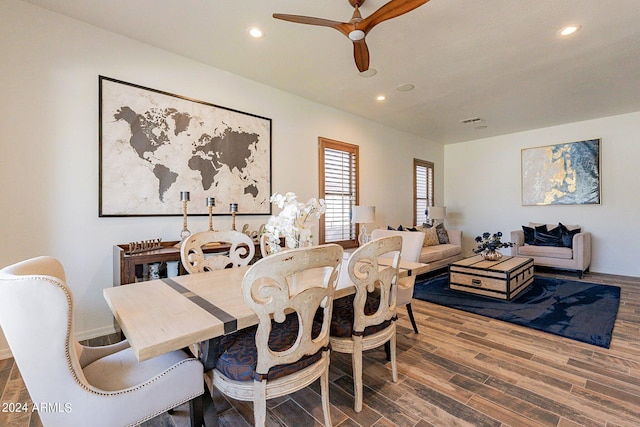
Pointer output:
366, 320
289, 348
265, 249
96, 386
195, 259
411, 246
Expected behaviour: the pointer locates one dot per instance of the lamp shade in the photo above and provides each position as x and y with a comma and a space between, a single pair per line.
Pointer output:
436, 212
363, 215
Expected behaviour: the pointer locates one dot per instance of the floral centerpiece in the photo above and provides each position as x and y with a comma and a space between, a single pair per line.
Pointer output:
488, 245
293, 222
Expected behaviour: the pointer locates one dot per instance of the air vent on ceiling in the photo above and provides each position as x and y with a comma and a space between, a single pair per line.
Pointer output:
472, 120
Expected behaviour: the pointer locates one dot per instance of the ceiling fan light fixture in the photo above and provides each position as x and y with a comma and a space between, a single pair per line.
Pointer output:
369, 73
356, 35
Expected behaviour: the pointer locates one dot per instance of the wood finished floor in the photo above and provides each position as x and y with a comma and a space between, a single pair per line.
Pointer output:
460, 370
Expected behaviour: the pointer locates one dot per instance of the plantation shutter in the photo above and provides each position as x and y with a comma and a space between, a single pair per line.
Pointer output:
339, 189
423, 189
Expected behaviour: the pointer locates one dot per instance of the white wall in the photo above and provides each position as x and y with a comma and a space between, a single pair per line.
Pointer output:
49, 147
482, 182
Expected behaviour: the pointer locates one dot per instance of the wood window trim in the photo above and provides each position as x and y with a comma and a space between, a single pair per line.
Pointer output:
324, 143
428, 165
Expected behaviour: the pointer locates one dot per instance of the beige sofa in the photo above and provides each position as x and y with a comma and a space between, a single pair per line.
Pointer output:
576, 258
437, 256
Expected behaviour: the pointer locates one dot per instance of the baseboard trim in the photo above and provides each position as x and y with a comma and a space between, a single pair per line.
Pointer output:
5, 353
93, 333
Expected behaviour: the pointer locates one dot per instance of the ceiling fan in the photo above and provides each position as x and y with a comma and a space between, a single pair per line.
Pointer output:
357, 27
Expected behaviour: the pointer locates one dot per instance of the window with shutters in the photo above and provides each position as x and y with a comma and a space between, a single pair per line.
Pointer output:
422, 189
339, 188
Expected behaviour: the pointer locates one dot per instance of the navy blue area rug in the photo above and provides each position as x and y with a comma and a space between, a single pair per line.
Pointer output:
578, 310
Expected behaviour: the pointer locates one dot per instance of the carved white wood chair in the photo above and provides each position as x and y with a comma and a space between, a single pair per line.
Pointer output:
96, 386
192, 251
265, 249
291, 292
366, 320
196, 260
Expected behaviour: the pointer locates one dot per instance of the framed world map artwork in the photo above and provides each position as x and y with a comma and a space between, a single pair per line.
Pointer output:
561, 174
154, 145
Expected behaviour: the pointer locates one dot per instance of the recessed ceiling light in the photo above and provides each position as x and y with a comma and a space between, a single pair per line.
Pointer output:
369, 73
569, 29
255, 32
406, 87
381, 98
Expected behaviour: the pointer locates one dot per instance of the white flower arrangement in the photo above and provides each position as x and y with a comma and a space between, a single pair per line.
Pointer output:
293, 221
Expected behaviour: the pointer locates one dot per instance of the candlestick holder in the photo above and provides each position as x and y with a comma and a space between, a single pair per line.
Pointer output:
233, 207
184, 197
211, 202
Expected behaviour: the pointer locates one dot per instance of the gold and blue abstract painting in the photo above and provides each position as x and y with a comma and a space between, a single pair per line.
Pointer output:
561, 174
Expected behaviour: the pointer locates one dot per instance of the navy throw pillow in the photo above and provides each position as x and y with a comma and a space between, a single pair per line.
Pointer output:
529, 235
546, 237
567, 235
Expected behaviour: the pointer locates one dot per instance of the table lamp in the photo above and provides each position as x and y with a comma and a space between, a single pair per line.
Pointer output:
363, 215
436, 213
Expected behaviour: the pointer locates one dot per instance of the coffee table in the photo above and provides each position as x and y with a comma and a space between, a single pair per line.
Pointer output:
502, 279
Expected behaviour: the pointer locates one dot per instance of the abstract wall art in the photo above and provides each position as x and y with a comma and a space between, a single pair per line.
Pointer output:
562, 174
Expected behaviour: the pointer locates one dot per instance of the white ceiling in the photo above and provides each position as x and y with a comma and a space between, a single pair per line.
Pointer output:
500, 60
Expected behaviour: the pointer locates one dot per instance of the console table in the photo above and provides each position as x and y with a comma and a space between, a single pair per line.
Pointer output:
124, 264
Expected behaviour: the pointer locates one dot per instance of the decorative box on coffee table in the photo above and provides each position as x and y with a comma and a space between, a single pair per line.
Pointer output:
503, 279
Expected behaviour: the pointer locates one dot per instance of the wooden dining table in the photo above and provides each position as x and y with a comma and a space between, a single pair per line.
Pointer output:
162, 315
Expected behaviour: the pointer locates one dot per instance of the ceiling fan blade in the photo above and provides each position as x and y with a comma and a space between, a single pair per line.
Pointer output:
340, 26
389, 10
361, 55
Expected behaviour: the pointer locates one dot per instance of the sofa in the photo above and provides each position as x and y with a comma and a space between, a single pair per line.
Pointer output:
433, 253
554, 245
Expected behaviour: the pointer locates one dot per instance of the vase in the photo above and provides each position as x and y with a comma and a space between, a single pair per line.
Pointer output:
491, 255
154, 270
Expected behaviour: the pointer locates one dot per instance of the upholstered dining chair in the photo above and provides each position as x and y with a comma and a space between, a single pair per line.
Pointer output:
192, 251
289, 349
96, 386
366, 320
411, 246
